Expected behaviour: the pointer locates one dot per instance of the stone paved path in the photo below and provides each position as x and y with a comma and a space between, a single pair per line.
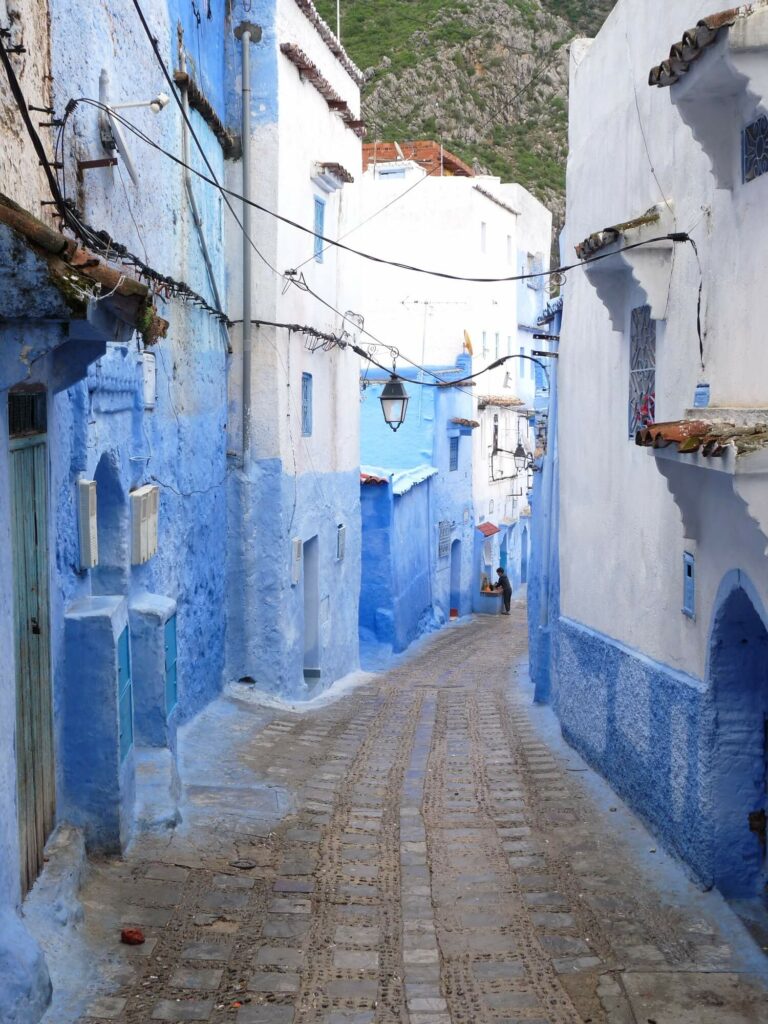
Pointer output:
439, 864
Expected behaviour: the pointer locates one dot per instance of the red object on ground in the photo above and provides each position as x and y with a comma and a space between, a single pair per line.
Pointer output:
132, 936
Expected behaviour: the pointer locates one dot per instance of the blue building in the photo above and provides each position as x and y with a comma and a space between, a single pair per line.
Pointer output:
113, 416
417, 483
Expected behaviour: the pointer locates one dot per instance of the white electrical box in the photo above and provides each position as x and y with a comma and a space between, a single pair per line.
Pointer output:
149, 379
145, 503
87, 523
297, 551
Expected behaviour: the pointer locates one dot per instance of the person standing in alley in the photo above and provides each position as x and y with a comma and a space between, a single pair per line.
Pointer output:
505, 587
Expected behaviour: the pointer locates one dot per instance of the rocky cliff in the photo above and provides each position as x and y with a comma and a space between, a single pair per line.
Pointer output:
487, 77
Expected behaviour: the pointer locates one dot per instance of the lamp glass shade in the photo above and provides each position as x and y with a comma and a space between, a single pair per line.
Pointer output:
520, 456
394, 402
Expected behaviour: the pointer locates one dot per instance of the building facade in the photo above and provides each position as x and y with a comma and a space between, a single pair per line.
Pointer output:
417, 519
660, 654
472, 226
294, 497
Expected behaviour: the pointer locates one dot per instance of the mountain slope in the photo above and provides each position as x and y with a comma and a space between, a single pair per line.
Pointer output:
487, 77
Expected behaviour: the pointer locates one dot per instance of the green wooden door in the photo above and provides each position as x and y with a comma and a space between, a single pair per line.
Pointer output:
34, 727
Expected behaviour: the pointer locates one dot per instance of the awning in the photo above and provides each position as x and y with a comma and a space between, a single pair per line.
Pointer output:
488, 529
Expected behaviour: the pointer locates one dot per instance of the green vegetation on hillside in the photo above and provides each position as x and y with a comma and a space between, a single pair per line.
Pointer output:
487, 77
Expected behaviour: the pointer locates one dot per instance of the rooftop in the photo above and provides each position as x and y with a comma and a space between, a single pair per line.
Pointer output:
503, 401
607, 236
430, 155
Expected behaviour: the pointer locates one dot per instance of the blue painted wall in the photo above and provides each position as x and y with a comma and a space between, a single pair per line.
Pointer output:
413, 591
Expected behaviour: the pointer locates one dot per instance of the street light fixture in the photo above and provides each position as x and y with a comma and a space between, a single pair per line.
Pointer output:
523, 459
394, 402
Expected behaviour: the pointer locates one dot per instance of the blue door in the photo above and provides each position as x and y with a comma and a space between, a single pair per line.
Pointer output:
34, 722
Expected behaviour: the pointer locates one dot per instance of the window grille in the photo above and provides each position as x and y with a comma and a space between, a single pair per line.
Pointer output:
306, 404
26, 413
444, 539
498, 344
642, 370
319, 228
689, 585
341, 541
453, 462
754, 149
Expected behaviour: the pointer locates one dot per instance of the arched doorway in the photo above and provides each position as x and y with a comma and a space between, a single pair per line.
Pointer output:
739, 676
111, 576
455, 602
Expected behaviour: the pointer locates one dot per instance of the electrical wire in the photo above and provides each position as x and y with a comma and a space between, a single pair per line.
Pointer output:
674, 236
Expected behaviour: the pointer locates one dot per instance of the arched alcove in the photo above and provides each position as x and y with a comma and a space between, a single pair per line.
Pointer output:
455, 596
739, 676
112, 574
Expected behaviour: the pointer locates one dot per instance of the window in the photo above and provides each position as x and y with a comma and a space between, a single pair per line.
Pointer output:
306, 404
485, 343
498, 345
510, 253
341, 541
533, 265
642, 369
689, 585
483, 235
319, 228
754, 149
509, 344
453, 457
390, 172
495, 432
444, 539
522, 362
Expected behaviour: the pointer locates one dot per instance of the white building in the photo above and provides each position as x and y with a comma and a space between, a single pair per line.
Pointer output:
437, 214
295, 481
661, 673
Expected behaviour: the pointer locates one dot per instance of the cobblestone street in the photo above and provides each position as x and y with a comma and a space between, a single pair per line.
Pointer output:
421, 850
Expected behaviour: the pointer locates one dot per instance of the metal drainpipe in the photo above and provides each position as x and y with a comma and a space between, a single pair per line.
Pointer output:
196, 218
245, 33
542, 690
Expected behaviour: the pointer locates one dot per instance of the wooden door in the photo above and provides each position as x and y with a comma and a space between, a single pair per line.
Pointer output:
34, 726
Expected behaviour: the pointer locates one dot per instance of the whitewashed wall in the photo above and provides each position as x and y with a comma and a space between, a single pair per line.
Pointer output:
621, 537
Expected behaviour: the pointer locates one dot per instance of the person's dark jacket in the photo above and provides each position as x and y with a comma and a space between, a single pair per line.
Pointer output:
503, 584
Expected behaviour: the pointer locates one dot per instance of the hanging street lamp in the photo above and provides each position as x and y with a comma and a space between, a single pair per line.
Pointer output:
523, 459
394, 402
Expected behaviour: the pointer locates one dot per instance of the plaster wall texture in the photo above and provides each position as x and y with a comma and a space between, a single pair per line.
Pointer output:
99, 427
625, 509
637, 683
20, 172
296, 485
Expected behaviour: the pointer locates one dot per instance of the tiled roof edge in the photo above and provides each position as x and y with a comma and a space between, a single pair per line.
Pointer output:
694, 42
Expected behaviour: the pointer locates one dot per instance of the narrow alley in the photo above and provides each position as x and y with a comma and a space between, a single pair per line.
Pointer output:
423, 849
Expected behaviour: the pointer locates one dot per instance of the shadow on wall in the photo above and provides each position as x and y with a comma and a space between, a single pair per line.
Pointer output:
692, 759
112, 574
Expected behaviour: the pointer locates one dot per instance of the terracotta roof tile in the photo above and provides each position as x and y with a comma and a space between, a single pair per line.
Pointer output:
78, 273
710, 438
310, 71
369, 478
503, 401
425, 152
694, 42
602, 239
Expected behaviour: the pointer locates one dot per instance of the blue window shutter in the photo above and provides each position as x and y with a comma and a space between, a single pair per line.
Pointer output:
689, 585
306, 404
454, 454
319, 228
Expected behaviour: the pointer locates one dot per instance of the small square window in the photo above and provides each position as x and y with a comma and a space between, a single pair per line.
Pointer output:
319, 228
453, 461
483, 235
306, 404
